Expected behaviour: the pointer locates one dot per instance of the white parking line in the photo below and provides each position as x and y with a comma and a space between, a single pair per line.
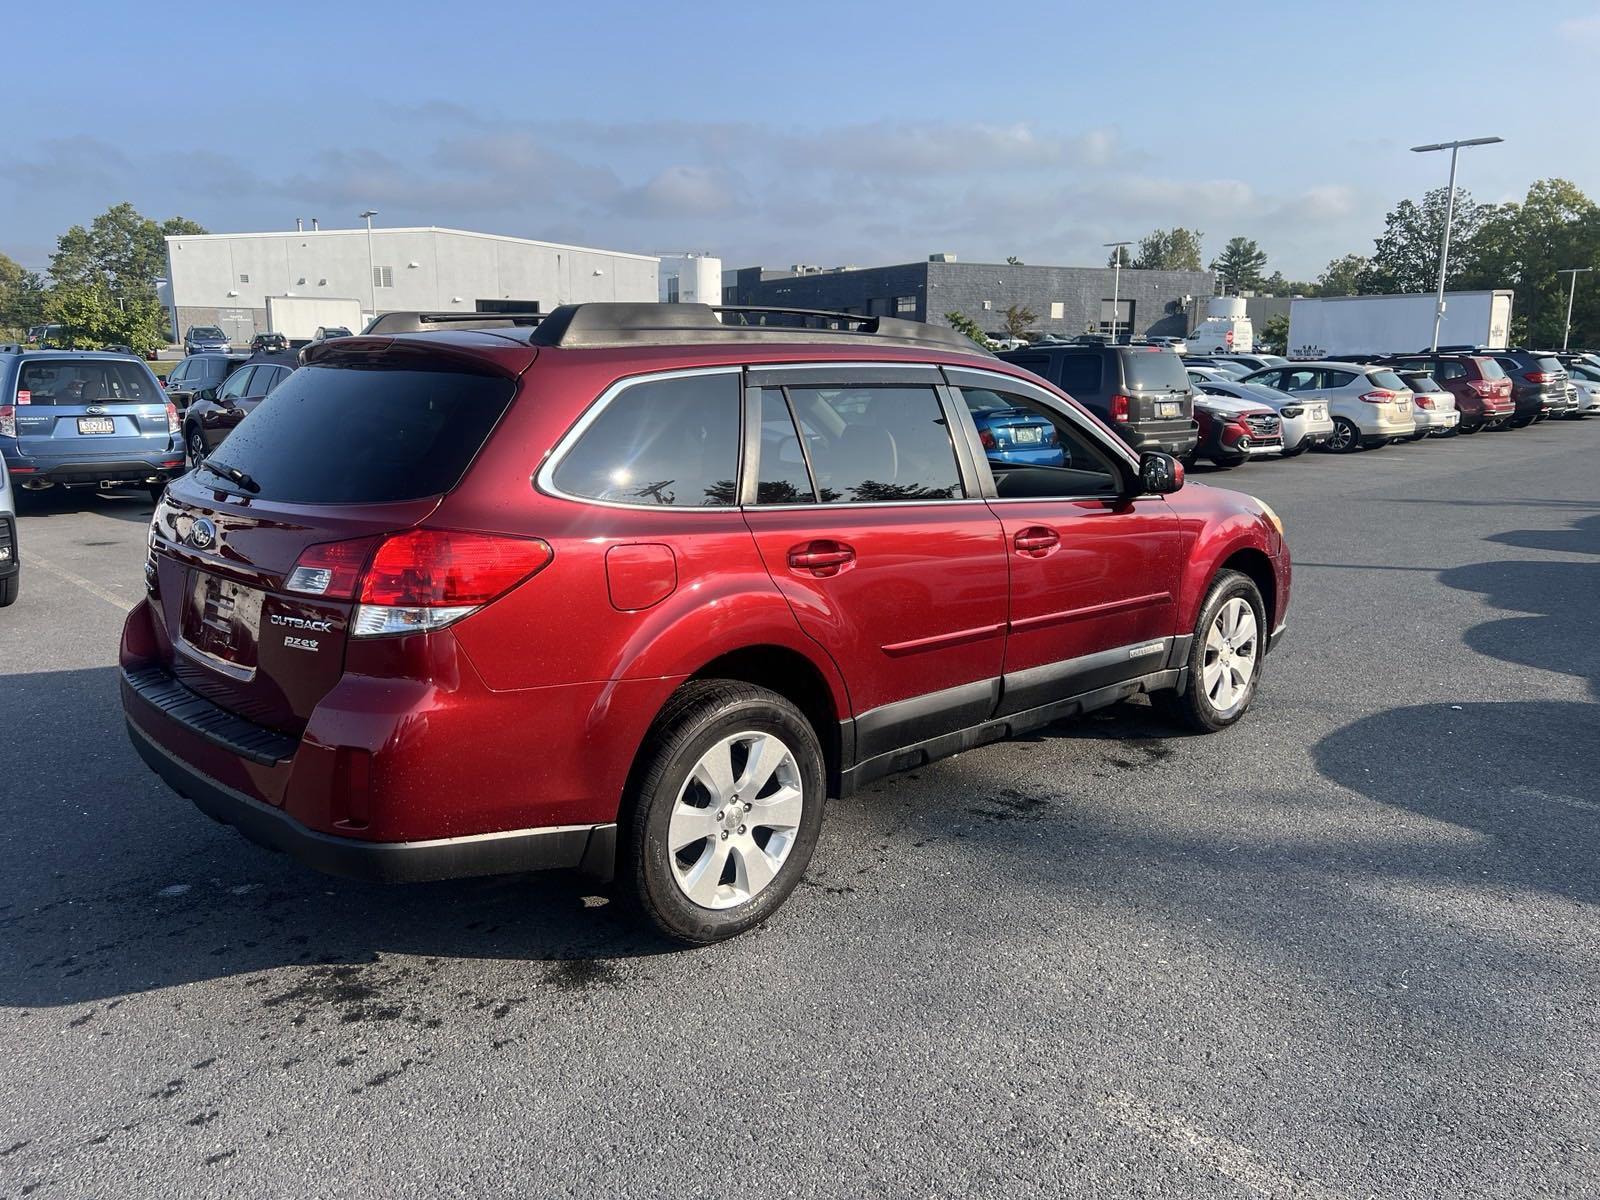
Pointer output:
31, 558
1228, 1158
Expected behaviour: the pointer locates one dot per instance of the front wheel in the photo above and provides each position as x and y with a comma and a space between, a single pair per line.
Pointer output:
1225, 658
197, 448
724, 811
1346, 438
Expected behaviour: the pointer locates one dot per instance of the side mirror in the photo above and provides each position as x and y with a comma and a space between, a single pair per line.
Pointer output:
209, 393
1160, 473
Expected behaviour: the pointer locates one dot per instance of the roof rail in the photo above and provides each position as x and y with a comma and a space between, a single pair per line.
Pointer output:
624, 324
422, 322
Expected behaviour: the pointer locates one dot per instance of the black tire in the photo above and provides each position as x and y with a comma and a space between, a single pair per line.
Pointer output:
1346, 438
1224, 463
1191, 706
1418, 435
1296, 450
700, 715
1469, 429
9, 589
194, 446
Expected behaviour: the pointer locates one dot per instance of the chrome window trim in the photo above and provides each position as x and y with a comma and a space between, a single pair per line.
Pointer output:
544, 477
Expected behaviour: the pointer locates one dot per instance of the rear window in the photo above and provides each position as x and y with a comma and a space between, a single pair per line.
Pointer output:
1490, 369
1157, 369
1422, 383
1551, 365
86, 381
1387, 379
365, 435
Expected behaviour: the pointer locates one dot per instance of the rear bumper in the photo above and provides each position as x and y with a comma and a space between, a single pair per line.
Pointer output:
71, 473
1437, 421
1171, 437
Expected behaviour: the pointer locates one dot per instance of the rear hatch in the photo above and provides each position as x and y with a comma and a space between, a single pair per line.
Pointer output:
1160, 395
361, 444
89, 410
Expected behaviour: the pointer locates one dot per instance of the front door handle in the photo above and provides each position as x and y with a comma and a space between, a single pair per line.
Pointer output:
822, 558
1036, 541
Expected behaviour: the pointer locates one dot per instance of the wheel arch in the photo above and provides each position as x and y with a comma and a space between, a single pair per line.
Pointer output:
1253, 562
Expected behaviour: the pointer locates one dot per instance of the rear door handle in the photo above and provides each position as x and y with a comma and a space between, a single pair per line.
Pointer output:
821, 558
1036, 540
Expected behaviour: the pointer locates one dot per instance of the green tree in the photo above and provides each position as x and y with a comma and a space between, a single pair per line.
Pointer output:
1274, 334
1019, 319
1342, 276
1239, 266
1176, 249
121, 249
1406, 257
965, 324
22, 305
1525, 246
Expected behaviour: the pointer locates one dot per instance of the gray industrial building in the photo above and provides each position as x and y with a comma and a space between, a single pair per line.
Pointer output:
1065, 300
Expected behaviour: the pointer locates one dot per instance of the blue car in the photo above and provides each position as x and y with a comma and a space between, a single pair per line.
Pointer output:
202, 338
1014, 435
82, 419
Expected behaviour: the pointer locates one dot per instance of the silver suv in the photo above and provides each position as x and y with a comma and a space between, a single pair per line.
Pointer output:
1370, 406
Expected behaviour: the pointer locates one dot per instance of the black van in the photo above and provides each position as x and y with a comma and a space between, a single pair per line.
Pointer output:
1142, 392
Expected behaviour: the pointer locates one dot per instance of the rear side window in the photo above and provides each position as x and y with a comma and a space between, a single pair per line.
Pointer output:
1339, 379
1154, 370
668, 442
365, 435
86, 381
1449, 370
876, 444
1080, 373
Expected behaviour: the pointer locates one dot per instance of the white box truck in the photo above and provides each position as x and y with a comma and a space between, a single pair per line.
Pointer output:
299, 317
1396, 324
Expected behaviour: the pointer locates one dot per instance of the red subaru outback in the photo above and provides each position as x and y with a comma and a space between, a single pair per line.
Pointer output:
636, 590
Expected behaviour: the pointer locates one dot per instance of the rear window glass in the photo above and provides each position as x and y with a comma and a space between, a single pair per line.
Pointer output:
1491, 369
1551, 365
1156, 369
1387, 379
86, 381
1422, 383
365, 435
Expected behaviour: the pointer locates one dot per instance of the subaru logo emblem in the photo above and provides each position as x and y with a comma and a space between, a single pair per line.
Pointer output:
96, 410
202, 534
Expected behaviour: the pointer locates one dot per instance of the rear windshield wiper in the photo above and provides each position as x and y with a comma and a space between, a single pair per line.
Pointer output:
231, 474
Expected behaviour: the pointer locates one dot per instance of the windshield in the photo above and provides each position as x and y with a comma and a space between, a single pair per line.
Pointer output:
1262, 392
365, 435
205, 331
1154, 370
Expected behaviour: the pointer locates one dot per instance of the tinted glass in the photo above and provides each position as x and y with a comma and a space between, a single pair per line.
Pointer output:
877, 444
1154, 370
1080, 373
672, 442
782, 478
1490, 369
1080, 468
86, 381
1339, 379
1421, 383
205, 331
1551, 365
263, 381
1450, 370
235, 386
1387, 379
1304, 380
365, 435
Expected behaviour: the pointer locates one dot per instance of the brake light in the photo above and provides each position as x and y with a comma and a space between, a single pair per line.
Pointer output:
1381, 396
1120, 407
172, 417
1539, 376
331, 569
1423, 401
8, 420
987, 439
428, 578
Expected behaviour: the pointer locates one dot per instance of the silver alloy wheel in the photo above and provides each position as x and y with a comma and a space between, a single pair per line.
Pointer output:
1341, 437
1231, 656
735, 819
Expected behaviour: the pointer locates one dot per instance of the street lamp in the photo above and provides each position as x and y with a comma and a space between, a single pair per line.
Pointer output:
1571, 294
1116, 284
372, 284
1449, 215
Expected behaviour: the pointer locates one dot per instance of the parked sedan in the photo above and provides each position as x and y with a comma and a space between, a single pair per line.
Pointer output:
1370, 405
1233, 431
1253, 362
1586, 379
1015, 435
205, 338
1433, 408
216, 411
1305, 423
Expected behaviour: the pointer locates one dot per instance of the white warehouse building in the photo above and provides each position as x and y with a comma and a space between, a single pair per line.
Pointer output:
225, 279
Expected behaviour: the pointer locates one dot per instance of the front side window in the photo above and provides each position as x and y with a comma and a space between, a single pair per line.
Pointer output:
667, 442
876, 444
1300, 381
1036, 452
235, 386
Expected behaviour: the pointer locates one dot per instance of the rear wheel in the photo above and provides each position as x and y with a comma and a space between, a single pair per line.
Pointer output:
724, 811
9, 589
1346, 438
1469, 429
1225, 659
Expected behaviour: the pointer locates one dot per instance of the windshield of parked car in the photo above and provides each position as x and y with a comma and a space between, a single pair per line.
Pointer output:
1261, 391
1154, 370
205, 331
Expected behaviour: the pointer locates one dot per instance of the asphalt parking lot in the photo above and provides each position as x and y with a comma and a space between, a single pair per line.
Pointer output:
1347, 949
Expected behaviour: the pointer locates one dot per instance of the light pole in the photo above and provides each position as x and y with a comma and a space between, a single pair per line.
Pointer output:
1449, 215
1572, 293
1116, 284
372, 284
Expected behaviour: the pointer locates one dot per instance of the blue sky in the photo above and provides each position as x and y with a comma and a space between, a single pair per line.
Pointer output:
776, 133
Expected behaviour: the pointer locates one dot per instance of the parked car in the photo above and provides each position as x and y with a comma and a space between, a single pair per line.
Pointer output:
1481, 388
1233, 431
1304, 423
216, 411
47, 337
1432, 407
10, 552
1015, 435
1199, 374
194, 374
1538, 385
340, 632
1370, 405
1140, 391
325, 332
1177, 345
268, 342
202, 339
1252, 362
85, 419
1586, 379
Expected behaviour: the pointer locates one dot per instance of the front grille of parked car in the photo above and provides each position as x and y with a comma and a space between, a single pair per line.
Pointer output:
1262, 425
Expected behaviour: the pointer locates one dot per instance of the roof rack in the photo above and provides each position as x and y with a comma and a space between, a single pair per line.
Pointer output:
623, 324
422, 322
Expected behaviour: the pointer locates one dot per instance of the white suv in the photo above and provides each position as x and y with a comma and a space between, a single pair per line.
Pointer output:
1370, 406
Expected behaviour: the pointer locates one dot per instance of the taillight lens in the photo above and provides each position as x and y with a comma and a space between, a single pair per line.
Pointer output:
1423, 401
8, 420
1538, 376
172, 417
331, 569
987, 439
1120, 407
428, 578
1381, 396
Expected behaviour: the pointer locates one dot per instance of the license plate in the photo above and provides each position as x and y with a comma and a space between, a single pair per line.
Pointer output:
1169, 408
1026, 435
96, 425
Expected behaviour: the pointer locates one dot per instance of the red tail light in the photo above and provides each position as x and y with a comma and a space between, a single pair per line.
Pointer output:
1120, 407
1423, 401
987, 439
436, 568
1539, 376
8, 420
1381, 396
172, 417
332, 569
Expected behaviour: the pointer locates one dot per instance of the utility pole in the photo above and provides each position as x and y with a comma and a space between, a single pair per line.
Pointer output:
1116, 286
1572, 293
1449, 216
372, 283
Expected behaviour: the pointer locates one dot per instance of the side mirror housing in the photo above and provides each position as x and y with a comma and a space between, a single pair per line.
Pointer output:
1160, 473
209, 393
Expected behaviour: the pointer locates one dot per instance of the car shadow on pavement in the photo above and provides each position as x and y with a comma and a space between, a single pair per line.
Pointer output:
122, 505
118, 885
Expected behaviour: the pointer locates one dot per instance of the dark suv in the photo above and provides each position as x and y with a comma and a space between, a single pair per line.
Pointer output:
1142, 392
1480, 385
637, 589
194, 374
1538, 384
